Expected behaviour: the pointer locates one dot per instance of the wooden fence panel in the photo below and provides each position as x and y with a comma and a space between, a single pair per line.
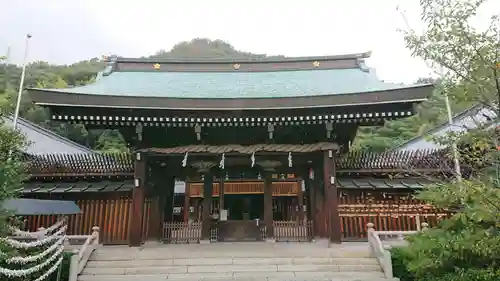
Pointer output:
394, 211
292, 231
111, 215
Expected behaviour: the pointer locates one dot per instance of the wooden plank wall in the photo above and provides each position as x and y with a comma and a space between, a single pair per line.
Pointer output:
111, 214
388, 211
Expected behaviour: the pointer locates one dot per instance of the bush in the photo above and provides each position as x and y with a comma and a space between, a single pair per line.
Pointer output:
400, 260
65, 269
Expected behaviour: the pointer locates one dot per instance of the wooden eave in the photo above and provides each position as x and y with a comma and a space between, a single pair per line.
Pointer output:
52, 98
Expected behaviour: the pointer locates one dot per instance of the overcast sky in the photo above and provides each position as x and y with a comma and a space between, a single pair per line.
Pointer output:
65, 31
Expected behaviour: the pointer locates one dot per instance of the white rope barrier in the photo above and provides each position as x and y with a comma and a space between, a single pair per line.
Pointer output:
26, 245
51, 270
51, 247
33, 269
37, 257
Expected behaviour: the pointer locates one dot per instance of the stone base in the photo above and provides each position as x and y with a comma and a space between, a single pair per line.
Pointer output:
270, 240
332, 244
323, 242
204, 241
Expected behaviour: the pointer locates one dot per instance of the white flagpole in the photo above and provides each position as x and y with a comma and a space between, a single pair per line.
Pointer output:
440, 72
21, 83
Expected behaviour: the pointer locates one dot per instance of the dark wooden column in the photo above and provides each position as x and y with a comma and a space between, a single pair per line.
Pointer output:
221, 191
167, 202
268, 203
300, 204
311, 207
207, 205
162, 202
138, 196
330, 182
187, 199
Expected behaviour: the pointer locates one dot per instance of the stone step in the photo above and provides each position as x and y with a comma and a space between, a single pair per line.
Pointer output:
291, 268
228, 261
104, 255
245, 276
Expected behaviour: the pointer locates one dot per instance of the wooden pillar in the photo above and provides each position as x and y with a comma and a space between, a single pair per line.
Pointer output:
207, 205
311, 208
300, 203
168, 195
330, 182
221, 191
187, 199
268, 204
161, 205
154, 218
138, 196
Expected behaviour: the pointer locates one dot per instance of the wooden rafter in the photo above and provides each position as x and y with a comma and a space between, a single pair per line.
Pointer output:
88, 165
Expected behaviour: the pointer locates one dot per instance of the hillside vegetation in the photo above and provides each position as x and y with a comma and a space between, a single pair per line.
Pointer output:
45, 75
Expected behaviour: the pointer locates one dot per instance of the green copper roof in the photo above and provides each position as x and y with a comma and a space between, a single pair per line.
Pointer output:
274, 84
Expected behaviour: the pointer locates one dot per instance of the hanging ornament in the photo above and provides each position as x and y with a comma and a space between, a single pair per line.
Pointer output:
197, 130
138, 131
289, 159
270, 129
221, 164
253, 159
329, 129
185, 160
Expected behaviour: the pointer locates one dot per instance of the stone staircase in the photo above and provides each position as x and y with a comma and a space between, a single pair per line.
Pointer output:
236, 261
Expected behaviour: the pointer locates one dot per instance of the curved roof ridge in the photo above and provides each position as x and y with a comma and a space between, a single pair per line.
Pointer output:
243, 60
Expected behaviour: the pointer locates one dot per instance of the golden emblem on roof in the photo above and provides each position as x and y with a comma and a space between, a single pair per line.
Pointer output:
156, 66
236, 66
316, 64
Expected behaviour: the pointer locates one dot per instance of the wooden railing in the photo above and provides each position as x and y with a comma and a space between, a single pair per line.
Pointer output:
292, 231
280, 188
182, 232
381, 251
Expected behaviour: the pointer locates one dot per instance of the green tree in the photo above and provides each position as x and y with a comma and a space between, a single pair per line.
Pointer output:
11, 168
467, 245
11, 179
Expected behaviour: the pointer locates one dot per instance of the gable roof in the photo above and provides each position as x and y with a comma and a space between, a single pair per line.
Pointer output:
466, 120
234, 84
43, 141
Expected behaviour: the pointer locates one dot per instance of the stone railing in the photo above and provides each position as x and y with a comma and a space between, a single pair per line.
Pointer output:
81, 254
381, 251
81, 247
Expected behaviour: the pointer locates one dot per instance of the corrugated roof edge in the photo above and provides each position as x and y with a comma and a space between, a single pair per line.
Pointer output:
239, 60
50, 134
468, 112
395, 88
